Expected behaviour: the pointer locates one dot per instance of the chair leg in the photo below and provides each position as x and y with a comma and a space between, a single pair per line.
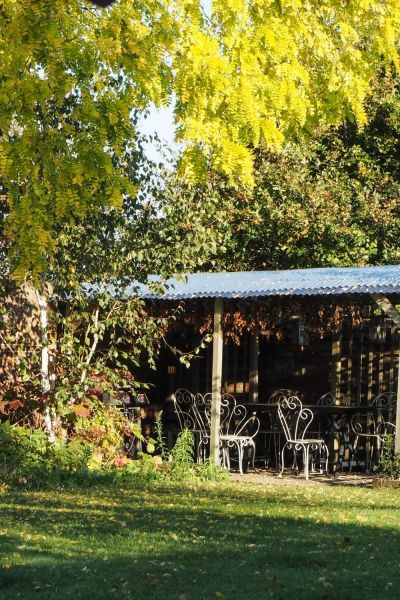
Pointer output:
252, 444
240, 456
321, 451
282, 461
306, 455
227, 458
354, 452
200, 452
327, 458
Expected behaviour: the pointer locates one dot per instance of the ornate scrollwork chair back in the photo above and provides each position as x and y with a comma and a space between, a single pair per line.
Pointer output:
232, 414
295, 422
363, 425
238, 430
385, 400
202, 412
384, 429
328, 399
188, 408
385, 404
281, 394
294, 418
184, 408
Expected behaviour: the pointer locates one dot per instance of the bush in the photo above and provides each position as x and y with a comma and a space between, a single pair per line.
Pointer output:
182, 465
102, 427
27, 458
389, 462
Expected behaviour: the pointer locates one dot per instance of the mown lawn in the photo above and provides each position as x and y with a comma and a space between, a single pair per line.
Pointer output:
232, 541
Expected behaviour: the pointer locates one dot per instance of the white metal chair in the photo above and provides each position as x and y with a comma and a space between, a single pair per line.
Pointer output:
365, 427
386, 406
185, 404
295, 421
383, 430
282, 393
328, 399
202, 412
275, 432
238, 430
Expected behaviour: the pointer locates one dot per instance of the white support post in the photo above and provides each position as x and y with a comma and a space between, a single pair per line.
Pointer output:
45, 372
216, 381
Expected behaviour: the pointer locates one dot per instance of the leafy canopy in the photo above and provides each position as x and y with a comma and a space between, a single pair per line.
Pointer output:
332, 201
248, 74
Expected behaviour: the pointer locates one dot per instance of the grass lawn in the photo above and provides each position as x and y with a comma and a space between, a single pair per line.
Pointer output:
232, 541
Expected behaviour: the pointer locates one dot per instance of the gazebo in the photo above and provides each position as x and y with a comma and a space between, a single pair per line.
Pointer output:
380, 285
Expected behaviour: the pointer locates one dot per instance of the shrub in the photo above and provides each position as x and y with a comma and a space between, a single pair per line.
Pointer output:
23, 453
160, 443
182, 456
102, 427
26, 457
71, 457
389, 462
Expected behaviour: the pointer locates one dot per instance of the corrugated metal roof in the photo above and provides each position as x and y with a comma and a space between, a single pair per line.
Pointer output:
296, 282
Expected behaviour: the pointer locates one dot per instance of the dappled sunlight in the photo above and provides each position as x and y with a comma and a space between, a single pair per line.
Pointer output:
191, 542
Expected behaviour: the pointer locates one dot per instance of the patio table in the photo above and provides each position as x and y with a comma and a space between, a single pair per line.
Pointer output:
338, 416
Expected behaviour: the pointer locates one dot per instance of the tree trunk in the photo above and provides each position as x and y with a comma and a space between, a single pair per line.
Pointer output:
48, 412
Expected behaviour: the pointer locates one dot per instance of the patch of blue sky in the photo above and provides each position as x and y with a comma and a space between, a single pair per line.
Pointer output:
160, 122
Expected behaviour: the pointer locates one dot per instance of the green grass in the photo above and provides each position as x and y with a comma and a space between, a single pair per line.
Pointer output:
232, 541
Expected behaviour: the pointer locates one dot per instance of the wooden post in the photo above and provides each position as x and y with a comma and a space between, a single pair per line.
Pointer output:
381, 362
360, 365
397, 434
216, 380
336, 365
370, 368
253, 375
350, 365
392, 362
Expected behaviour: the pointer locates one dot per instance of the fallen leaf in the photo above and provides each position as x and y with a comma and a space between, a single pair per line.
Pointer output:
80, 410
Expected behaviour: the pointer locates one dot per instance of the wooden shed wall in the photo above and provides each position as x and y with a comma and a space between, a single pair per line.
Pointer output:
20, 317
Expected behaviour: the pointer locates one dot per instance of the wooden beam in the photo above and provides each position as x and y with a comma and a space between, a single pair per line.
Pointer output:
253, 375
336, 365
350, 364
216, 381
392, 312
370, 369
387, 307
360, 365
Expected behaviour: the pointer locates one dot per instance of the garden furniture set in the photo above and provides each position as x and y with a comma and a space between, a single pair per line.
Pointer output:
278, 431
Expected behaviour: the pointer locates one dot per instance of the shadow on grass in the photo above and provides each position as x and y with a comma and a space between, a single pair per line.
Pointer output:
190, 544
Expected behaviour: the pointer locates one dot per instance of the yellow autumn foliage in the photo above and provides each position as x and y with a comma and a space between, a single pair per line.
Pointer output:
243, 74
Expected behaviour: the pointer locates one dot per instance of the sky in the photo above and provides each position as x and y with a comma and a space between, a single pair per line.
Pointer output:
161, 122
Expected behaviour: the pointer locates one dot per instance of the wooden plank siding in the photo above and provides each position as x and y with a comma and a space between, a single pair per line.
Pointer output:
20, 317
359, 368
